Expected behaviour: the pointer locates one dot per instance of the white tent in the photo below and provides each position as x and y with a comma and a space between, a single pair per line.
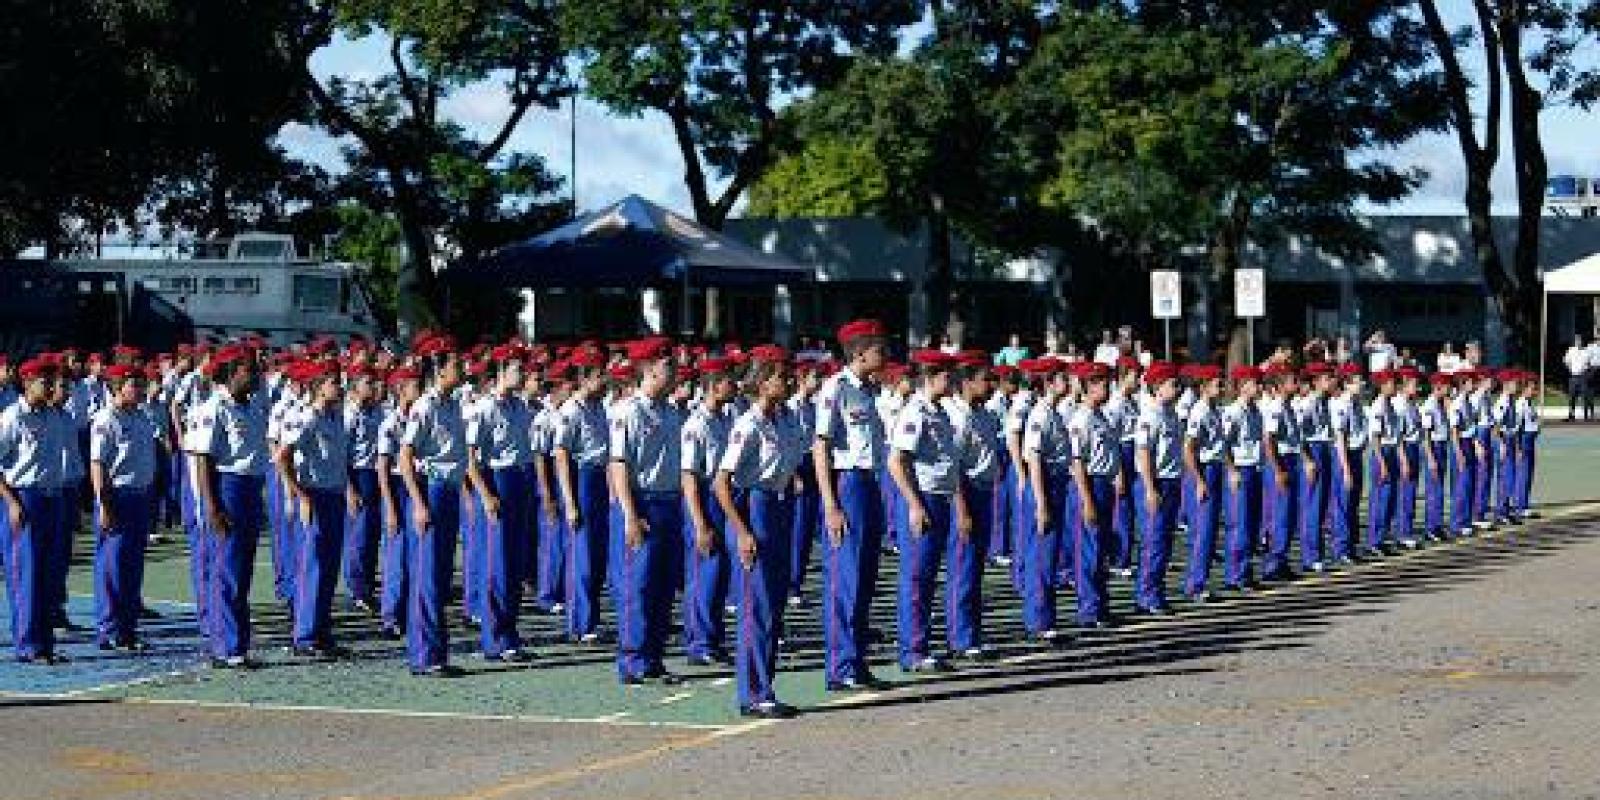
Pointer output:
1579, 277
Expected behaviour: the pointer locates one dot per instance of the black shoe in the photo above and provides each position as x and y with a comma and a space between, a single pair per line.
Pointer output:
972, 655
106, 645
45, 659
925, 666
1154, 611
700, 661
768, 711
232, 662
863, 684
312, 653
133, 644
511, 656
661, 677
1093, 625
364, 606
438, 671
391, 632
146, 612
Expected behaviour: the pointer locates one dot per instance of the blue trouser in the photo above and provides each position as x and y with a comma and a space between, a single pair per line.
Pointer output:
1244, 525
1385, 462
642, 581
806, 526
504, 539
362, 529
965, 584
920, 554
1002, 503
1282, 512
170, 463
1022, 529
1405, 488
433, 552
396, 591
1124, 520
760, 620
552, 556
1095, 541
1344, 505
1435, 480
32, 635
849, 573
1314, 501
1155, 542
588, 548
1528, 443
119, 564
891, 508
705, 581
1203, 516
528, 553
316, 576
1506, 465
285, 538
1483, 479
199, 546
1039, 550
474, 529
1465, 465
232, 557
59, 549
1069, 509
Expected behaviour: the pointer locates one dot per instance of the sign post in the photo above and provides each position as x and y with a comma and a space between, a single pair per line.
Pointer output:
1166, 302
1250, 302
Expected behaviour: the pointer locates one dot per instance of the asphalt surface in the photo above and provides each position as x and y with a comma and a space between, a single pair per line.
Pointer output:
1464, 671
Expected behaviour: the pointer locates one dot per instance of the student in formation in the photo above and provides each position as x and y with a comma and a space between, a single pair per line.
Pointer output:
1383, 422
30, 450
807, 527
705, 551
847, 455
1286, 469
1243, 431
314, 464
1158, 465
647, 515
1122, 408
1047, 453
363, 416
1434, 421
924, 465
582, 447
499, 451
1205, 452
1408, 483
1350, 435
1464, 455
433, 467
1504, 426
551, 592
1527, 433
979, 449
752, 487
228, 440
405, 386
1095, 443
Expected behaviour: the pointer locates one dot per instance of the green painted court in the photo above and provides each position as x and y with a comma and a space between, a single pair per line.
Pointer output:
567, 682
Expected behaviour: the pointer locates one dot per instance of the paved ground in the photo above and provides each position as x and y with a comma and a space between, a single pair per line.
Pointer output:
1459, 671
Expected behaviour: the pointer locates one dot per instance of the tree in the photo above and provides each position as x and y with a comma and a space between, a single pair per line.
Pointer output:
120, 106
409, 159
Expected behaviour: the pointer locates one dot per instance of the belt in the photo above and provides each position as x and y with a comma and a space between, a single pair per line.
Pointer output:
53, 491
657, 492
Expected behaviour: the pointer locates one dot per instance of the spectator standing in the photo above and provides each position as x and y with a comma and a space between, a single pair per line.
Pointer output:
1449, 361
1591, 377
1107, 352
1578, 366
1380, 352
1013, 353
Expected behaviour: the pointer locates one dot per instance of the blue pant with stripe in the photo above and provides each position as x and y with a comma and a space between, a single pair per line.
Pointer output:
32, 633
1155, 542
642, 580
362, 529
1096, 541
849, 573
1527, 459
1344, 506
1124, 520
705, 581
1203, 517
396, 591
1435, 485
1506, 463
500, 560
1385, 461
433, 554
1405, 492
806, 526
1043, 550
920, 554
316, 576
764, 583
1465, 465
232, 558
1281, 512
588, 548
551, 556
119, 564
1483, 478
1316, 487
965, 584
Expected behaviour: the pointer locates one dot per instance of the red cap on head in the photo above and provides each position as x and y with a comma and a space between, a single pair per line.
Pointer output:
1383, 376
935, 359
713, 366
1206, 372
1160, 372
651, 349
118, 372
1509, 374
1092, 371
400, 375
1127, 362
1244, 372
1004, 371
621, 372
1409, 373
35, 368
587, 358
769, 354
851, 331
1316, 368
1349, 369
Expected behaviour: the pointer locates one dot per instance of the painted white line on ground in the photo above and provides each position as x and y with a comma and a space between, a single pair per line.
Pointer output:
673, 698
620, 718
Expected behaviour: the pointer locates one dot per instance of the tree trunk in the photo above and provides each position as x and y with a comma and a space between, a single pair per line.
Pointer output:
416, 300
1226, 251
1532, 170
940, 283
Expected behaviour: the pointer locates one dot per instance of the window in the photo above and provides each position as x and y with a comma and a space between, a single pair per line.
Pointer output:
179, 284
316, 293
246, 285
225, 285
214, 285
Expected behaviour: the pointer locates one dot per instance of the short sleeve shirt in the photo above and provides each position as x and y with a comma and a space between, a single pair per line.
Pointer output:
124, 443
646, 435
924, 432
847, 417
763, 451
233, 434
436, 432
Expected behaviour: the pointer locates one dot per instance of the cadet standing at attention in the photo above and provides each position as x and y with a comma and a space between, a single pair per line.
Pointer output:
499, 451
314, 462
1097, 472
582, 445
1204, 453
705, 551
1158, 459
122, 475
980, 457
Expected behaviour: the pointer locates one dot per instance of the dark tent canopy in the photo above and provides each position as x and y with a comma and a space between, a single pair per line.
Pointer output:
632, 243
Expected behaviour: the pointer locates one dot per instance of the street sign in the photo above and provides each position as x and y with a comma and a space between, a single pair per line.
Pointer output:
1166, 294
1249, 293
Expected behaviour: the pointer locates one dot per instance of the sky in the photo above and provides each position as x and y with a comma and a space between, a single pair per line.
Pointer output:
618, 156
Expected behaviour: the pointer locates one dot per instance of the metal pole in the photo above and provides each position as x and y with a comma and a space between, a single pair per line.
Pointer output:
1250, 340
1544, 341
1166, 335
683, 305
572, 152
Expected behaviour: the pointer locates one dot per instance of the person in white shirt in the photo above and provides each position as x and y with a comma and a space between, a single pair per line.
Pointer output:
1380, 352
1577, 363
1107, 351
1449, 361
1590, 374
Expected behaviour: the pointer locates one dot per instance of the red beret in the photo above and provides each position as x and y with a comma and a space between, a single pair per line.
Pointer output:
1316, 368
118, 372
713, 366
1349, 369
1206, 372
35, 368
650, 349
935, 359
125, 351
587, 358
1276, 369
1039, 366
769, 354
1127, 362
1160, 372
851, 331
1409, 373
1509, 374
1004, 371
621, 372
1383, 376
402, 374
152, 372
1092, 371
477, 367
684, 373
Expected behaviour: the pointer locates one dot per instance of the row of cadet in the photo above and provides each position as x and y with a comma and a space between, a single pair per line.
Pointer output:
679, 477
